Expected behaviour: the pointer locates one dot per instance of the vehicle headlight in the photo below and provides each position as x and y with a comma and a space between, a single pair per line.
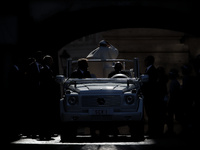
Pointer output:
129, 99
72, 100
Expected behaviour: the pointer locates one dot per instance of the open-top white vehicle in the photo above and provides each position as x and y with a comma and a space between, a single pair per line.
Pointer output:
102, 102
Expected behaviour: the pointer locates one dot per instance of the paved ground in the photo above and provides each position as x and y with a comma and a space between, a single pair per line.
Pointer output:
87, 143
178, 142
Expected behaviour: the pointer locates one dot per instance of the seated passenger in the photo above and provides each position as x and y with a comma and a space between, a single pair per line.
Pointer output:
82, 71
118, 70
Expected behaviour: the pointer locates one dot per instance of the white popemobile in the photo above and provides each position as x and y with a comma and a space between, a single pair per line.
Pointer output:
102, 101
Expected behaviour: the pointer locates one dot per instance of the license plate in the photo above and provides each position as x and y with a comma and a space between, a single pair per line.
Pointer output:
100, 111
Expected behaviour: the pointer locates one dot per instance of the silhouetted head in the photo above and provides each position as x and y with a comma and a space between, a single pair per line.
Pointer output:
118, 66
48, 60
103, 43
38, 56
149, 60
82, 64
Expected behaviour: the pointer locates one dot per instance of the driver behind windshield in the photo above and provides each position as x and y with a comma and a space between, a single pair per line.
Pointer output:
82, 71
118, 70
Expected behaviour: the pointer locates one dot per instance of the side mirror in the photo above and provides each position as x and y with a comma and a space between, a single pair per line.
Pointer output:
60, 79
144, 78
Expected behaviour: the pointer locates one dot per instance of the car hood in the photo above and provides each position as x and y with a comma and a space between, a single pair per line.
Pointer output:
103, 86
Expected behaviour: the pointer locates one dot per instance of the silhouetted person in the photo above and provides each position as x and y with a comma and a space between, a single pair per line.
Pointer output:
151, 102
28, 90
14, 100
196, 94
174, 101
34, 70
82, 71
118, 70
33, 86
188, 97
162, 93
48, 104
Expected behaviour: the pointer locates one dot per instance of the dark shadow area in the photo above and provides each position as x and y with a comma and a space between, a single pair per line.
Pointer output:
51, 34
65, 27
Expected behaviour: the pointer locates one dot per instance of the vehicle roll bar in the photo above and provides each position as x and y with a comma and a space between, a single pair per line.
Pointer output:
135, 61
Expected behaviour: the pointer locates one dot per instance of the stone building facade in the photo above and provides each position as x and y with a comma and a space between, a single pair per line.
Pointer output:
171, 49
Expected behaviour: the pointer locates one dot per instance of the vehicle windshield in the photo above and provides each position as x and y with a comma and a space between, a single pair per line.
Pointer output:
108, 68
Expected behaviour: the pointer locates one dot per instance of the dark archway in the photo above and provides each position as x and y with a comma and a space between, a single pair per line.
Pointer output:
65, 27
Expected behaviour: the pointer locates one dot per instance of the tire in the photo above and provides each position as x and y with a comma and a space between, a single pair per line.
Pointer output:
137, 131
68, 133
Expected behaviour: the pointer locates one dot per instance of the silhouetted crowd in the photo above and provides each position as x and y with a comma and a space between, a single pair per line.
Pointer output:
170, 98
34, 101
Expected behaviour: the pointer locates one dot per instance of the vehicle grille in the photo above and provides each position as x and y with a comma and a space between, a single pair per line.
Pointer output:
110, 101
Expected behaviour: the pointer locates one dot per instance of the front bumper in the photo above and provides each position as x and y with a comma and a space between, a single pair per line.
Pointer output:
116, 116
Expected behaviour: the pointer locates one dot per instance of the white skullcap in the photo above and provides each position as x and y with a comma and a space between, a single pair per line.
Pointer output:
102, 42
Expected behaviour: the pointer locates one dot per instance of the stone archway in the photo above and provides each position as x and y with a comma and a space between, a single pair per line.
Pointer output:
66, 26
59, 28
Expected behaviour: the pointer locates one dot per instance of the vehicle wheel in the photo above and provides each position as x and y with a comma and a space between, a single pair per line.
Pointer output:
137, 131
68, 133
